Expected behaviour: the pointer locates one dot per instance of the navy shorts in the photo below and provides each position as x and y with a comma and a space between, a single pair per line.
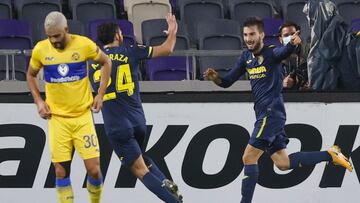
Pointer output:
269, 135
128, 143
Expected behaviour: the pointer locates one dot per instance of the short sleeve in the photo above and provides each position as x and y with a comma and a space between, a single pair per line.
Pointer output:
35, 60
92, 50
141, 51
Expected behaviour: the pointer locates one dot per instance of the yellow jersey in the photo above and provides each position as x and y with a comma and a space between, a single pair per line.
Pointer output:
67, 87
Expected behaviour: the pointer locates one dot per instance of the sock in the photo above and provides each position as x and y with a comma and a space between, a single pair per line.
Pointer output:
94, 188
153, 168
155, 186
251, 174
64, 190
299, 159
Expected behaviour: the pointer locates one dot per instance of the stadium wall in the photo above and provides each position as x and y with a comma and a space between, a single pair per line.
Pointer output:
198, 140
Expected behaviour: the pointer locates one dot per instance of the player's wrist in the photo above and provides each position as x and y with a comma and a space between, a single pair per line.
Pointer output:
217, 80
38, 100
101, 92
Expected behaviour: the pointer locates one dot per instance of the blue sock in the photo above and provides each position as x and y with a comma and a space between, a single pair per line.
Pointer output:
251, 174
299, 159
153, 168
64, 190
63, 182
95, 182
155, 186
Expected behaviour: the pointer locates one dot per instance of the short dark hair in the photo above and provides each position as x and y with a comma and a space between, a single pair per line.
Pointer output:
251, 21
289, 24
106, 32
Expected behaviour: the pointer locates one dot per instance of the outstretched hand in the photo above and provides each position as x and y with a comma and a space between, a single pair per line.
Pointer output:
210, 74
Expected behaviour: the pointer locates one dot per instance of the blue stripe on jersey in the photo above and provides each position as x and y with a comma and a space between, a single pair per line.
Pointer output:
65, 72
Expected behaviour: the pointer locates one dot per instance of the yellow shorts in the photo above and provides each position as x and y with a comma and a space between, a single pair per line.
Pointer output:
68, 133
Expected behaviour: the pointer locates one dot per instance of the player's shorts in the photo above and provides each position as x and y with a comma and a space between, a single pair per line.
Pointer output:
128, 143
269, 135
66, 133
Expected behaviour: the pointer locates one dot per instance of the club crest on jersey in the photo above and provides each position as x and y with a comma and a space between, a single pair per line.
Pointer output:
260, 59
75, 56
63, 69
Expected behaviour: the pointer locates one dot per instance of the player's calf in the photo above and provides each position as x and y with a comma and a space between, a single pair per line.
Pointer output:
63, 184
94, 183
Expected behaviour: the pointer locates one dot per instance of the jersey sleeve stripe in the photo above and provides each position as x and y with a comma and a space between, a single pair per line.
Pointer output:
150, 52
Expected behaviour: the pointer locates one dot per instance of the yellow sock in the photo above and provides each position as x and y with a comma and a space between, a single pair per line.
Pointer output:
64, 191
94, 188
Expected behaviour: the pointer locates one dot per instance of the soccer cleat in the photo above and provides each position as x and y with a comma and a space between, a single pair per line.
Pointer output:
338, 158
173, 188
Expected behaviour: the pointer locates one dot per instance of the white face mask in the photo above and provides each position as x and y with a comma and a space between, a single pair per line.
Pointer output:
286, 40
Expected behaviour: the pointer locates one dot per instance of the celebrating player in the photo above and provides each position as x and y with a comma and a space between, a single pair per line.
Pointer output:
123, 114
264, 69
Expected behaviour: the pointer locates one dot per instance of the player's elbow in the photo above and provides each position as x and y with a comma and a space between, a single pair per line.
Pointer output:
108, 62
30, 73
167, 50
162, 50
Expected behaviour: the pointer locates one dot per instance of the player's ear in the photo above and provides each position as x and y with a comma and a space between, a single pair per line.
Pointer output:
116, 37
67, 29
262, 35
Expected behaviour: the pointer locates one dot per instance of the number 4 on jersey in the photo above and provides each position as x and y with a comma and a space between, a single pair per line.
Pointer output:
124, 82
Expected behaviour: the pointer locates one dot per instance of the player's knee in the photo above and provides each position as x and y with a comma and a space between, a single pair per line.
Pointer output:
60, 171
282, 166
94, 171
249, 159
140, 173
139, 170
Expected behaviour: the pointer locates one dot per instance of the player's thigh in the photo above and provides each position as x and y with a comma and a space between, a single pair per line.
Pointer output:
92, 165
85, 138
60, 139
279, 143
251, 154
266, 132
260, 137
125, 145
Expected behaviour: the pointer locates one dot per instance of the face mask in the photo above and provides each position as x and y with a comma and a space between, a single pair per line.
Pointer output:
286, 40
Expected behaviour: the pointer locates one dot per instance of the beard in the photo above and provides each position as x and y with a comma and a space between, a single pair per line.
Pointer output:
60, 44
254, 47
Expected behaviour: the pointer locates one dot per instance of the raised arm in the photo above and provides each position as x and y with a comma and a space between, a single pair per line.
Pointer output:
167, 47
285, 51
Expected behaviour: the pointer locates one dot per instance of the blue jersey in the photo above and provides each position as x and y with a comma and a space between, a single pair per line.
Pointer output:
122, 108
265, 75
